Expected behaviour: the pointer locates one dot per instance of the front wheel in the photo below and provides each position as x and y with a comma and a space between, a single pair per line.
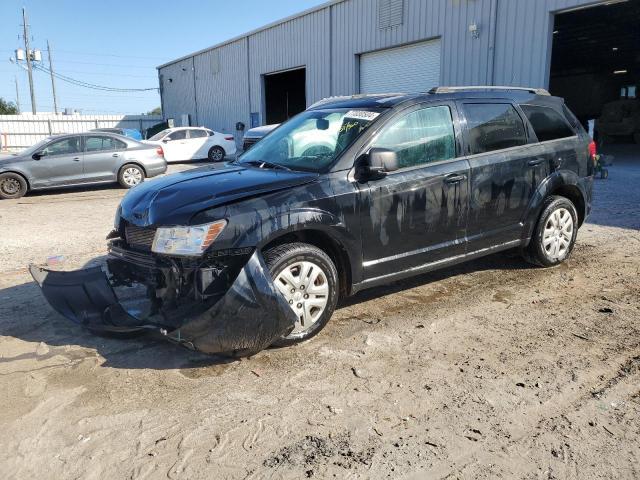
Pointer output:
555, 233
12, 186
308, 280
216, 154
130, 175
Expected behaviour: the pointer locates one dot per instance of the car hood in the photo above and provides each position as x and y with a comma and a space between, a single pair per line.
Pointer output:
9, 158
174, 199
259, 132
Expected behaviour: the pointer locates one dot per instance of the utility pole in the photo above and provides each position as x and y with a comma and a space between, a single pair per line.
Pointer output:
17, 95
28, 55
53, 81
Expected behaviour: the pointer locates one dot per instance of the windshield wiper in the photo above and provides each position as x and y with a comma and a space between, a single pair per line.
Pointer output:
263, 163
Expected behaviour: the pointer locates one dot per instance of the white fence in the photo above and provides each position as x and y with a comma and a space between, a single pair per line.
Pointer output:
22, 131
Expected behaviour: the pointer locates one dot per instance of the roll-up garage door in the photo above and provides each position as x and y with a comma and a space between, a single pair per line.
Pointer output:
413, 68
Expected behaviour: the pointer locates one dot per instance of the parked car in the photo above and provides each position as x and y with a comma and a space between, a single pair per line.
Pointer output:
194, 143
79, 159
236, 257
253, 135
125, 132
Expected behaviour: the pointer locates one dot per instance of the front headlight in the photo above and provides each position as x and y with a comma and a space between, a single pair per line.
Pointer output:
188, 241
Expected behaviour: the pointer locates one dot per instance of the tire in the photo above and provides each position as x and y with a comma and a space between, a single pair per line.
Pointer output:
555, 234
313, 309
216, 154
12, 186
130, 175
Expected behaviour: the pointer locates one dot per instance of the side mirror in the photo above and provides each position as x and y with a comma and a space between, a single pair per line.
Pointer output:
165, 140
39, 155
382, 160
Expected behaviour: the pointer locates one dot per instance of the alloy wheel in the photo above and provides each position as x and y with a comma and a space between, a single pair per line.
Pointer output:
132, 176
305, 287
558, 234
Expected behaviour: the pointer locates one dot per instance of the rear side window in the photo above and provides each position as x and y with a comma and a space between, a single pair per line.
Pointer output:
97, 144
493, 126
547, 123
420, 137
197, 133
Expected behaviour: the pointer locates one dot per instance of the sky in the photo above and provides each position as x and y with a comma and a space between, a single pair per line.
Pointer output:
119, 44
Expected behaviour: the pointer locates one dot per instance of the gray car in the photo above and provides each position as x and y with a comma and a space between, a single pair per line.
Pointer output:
79, 159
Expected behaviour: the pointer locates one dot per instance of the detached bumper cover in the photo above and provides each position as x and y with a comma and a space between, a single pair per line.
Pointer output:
249, 317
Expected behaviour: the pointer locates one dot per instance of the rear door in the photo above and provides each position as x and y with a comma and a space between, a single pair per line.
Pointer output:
102, 157
198, 138
507, 165
60, 163
416, 215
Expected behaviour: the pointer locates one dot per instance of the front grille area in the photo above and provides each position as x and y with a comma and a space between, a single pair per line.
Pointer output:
140, 238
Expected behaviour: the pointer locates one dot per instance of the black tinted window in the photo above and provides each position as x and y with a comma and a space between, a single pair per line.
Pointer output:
178, 135
547, 123
493, 126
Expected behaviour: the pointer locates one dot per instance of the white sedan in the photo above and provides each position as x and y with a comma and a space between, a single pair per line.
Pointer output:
193, 143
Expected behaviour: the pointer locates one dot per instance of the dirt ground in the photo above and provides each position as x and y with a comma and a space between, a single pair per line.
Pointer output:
493, 369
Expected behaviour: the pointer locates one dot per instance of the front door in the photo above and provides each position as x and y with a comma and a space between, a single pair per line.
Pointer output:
102, 157
175, 146
60, 163
416, 215
506, 168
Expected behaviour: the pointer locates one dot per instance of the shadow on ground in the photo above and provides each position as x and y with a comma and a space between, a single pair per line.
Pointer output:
25, 315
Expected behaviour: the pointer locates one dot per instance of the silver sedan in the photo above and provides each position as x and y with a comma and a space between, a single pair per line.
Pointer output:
79, 159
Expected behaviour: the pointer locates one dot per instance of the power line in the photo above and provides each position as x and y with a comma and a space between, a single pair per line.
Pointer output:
81, 83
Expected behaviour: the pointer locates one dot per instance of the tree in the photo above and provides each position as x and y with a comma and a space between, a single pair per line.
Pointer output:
155, 111
7, 108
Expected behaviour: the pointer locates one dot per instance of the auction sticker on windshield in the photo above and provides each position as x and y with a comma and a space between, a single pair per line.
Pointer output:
362, 114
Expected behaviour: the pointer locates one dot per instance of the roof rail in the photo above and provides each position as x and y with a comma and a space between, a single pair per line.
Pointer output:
537, 91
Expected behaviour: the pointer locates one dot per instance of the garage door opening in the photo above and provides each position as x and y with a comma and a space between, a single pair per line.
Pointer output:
284, 95
595, 66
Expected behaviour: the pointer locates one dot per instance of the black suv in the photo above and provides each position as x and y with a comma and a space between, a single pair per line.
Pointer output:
354, 192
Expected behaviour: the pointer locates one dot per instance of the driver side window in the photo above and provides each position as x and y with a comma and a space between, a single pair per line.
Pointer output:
178, 135
66, 146
420, 137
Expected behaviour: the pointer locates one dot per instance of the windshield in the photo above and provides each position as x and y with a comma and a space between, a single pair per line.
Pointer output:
312, 140
160, 135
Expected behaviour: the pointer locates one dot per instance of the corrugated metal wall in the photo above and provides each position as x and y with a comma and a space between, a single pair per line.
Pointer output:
512, 48
222, 87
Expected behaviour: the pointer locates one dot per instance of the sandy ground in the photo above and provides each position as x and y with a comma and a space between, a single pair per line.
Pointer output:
493, 369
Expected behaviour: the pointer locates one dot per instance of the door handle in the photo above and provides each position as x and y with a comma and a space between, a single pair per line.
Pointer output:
454, 178
115, 155
76, 159
535, 161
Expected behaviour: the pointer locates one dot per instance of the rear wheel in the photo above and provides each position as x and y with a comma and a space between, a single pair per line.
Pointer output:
555, 233
130, 175
308, 280
216, 154
12, 185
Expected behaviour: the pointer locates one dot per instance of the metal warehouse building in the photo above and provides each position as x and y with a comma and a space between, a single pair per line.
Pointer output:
583, 50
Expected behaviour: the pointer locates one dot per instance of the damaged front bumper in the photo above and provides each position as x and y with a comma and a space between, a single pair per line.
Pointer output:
213, 309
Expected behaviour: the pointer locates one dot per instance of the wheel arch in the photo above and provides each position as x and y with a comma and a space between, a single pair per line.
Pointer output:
21, 174
325, 241
137, 164
563, 183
